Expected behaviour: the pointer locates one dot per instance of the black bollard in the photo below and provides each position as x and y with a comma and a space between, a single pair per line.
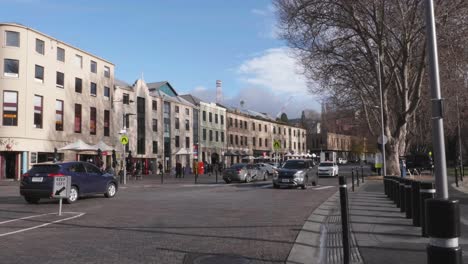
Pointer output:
344, 218
390, 187
456, 176
385, 183
415, 185
352, 179
443, 228
357, 176
426, 191
461, 172
396, 191
408, 204
402, 195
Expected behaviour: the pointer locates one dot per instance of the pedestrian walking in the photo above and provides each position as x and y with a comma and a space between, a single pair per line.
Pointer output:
160, 167
178, 170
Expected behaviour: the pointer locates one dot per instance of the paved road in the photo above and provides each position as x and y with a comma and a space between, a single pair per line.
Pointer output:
178, 223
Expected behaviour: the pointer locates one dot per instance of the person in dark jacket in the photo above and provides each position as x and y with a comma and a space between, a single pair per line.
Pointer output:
178, 170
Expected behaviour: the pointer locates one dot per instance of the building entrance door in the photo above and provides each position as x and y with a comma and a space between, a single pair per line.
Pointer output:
8, 168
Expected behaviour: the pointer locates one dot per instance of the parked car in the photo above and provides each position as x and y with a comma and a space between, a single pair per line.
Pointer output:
327, 168
275, 164
266, 169
86, 179
241, 172
342, 161
295, 173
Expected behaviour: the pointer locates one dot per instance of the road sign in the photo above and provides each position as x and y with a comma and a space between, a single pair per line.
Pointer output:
124, 140
62, 187
276, 145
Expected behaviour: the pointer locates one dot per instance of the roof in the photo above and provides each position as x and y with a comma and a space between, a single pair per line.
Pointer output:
156, 85
192, 99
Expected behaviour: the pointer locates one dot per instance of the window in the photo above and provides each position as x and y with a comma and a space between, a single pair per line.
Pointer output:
237, 140
11, 68
187, 111
126, 99
274, 130
204, 115
235, 122
77, 118
285, 143
177, 123
155, 125
222, 120
92, 120
217, 136
266, 130
253, 126
154, 105
39, 73
12, 39
266, 142
230, 140
290, 131
106, 72
40, 46
254, 141
10, 108
106, 92
294, 145
241, 140
93, 89
155, 147
230, 122
187, 125
259, 142
78, 61
106, 123
60, 54
93, 67
177, 143
59, 115
204, 134
210, 117
216, 118
245, 124
211, 135
177, 109
37, 111
78, 85
222, 136
240, 123
187, 142
259, 127
60, 79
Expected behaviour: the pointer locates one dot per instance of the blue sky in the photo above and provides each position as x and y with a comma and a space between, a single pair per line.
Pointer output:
191, 44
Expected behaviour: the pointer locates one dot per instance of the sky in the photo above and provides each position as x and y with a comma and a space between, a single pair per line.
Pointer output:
191, 44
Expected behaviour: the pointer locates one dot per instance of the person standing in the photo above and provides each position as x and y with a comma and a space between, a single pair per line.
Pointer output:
160, 167
178, 170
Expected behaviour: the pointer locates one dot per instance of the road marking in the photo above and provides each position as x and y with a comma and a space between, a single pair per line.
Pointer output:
266, 186
323, 187
38, 226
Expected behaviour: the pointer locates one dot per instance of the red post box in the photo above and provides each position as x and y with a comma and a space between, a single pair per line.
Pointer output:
201, 167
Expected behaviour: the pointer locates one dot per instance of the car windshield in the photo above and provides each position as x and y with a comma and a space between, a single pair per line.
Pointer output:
326, 164
295, 164
44, 169
237, 166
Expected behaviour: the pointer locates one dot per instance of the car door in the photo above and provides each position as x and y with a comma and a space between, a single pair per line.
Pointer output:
96, 181
78, 175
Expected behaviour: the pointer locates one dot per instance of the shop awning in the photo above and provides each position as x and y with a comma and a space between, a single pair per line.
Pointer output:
78, 145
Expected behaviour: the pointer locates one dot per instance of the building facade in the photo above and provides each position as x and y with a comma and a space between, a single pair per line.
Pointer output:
212, 142
52, 94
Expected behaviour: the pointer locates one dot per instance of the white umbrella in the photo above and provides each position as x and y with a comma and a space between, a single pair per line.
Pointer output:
103, 146
79, 145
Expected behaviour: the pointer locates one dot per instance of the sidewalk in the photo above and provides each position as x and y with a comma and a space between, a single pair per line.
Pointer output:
152, 180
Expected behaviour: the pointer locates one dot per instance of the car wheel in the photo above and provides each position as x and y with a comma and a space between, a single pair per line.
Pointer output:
276, 186
265, 176
248, 178
314, 183
73, 195
227, 181
31, 200
111, 190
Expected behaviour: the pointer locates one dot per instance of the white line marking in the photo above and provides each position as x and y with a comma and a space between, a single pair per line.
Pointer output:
324, 187
39, 226
22, 218
266, 186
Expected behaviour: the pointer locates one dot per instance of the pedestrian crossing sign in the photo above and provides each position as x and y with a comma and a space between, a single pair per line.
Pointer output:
276, 144
124, 140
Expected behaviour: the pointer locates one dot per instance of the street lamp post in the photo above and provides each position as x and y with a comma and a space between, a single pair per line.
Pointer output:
124, 132
381, 115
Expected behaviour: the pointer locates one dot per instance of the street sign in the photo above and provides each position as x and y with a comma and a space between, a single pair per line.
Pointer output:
62, 187
385, 139
276, 145
124, 140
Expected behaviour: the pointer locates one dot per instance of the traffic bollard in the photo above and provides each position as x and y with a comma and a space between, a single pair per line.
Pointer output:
352, 179
415, 185
408, 204
344, 218
357, 176
390, 188
362, 174
443, 229
426, 191
393, 189
456, 176
385, 183
402, 195
396, 190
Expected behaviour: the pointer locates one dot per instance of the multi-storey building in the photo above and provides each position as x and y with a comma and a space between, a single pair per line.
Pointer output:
238, 136
52, 94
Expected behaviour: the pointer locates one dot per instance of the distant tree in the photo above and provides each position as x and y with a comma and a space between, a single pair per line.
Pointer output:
284, 118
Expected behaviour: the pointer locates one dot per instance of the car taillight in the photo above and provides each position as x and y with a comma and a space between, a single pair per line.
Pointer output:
55, 174
25, 175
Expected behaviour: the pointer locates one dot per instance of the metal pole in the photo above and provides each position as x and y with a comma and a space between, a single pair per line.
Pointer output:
459, 140
123, 158
381, 114
163, 143
344, 218
437, 119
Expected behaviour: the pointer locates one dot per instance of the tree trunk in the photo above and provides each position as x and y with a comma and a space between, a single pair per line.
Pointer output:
394, 149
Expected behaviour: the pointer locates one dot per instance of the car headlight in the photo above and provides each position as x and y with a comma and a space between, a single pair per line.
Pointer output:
299, 175
275, 174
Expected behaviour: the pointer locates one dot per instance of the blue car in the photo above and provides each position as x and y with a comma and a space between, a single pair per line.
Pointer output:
86, 179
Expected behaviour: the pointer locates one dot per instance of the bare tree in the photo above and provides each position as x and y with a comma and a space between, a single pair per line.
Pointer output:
338, 41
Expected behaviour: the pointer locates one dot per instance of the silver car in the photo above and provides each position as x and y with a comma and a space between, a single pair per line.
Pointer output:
295, 173
241, 172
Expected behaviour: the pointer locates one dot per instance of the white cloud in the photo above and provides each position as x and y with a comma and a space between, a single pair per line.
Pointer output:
267, 21
275, 69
